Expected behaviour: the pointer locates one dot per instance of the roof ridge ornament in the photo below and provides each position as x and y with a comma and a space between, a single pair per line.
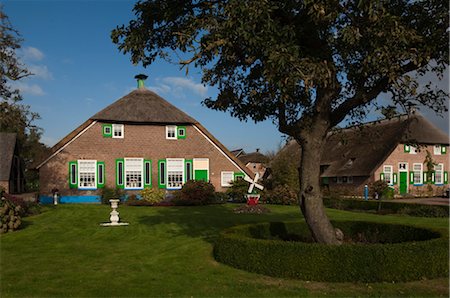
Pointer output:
140, 80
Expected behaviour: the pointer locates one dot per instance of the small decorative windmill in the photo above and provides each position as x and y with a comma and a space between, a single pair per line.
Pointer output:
253, 183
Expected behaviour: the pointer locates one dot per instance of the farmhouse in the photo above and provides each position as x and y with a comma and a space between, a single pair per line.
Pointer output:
139, 141
255, 161
11, 165
394, 150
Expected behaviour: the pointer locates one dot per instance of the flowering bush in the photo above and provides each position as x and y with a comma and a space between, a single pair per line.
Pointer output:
152, 196
194, 193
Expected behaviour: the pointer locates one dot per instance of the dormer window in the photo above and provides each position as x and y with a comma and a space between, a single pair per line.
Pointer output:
117, 131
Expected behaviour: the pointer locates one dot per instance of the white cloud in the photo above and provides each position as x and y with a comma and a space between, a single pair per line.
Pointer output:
178, 83
161, 89
32, 54
40, 72
25, 88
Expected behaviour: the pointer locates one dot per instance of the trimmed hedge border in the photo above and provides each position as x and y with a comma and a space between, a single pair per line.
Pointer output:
386, 207
259, 248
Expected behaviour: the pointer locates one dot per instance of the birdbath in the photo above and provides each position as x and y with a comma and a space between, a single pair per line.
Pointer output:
114, 218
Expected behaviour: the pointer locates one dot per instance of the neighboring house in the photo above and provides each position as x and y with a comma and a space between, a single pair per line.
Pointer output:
255, 161
392, 150
139, 141
11, 165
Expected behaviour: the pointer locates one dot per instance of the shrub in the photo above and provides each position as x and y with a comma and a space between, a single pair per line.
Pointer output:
194, 193
257, 209
237, 191
152, 196
10, 219
424, 211
281, 195
379, 187
26, 207
111, 193
285, 250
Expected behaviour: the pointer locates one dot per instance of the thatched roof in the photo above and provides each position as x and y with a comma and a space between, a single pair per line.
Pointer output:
360, 150
143, 106
7, 146
255, 157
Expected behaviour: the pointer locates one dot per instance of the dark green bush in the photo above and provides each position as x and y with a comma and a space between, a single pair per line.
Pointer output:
281, 195
194, 193
111, 193
237, 191
285, 250
383, 207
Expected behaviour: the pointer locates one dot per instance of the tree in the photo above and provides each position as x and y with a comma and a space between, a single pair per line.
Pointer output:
14, 116
307, 65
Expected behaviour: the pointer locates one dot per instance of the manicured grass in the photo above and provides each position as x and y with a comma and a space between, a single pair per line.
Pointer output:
166, 251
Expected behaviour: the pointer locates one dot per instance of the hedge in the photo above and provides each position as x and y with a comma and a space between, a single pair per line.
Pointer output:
387, 207
260, 249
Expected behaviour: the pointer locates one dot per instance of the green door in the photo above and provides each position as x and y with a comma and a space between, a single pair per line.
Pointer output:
403, 182
201, 175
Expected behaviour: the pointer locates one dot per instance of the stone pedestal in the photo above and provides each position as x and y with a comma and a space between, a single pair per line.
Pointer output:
114, 215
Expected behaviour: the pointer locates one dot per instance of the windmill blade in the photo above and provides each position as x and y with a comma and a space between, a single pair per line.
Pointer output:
256, 177
259, 186
250, 188
248, 179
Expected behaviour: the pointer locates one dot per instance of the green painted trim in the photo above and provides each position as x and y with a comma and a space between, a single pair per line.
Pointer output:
162, 174
105, 134
406, 148
101, 170
382, 176
238, 175
445, 177
178, 132
118, 162
149, 178
443, 149
188, 171
201, 175
73, 174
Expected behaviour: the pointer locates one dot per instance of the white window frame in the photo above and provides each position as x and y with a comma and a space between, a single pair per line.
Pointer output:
82, 172
170, 172
413, 150
132, 166
437, 150
173, 129
119, 128
107, 128
388, 175
420, 176
441, 174
179, 129
225, 180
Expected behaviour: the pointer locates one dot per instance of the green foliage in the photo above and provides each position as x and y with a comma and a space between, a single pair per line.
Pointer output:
284, 250
429, 164
10, 219
281, 195
194, 193
152, 195
385, 207
284, 167
111, 193
379, 187
238, 190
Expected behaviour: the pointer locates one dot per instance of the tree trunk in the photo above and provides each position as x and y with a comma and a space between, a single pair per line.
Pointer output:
311, 202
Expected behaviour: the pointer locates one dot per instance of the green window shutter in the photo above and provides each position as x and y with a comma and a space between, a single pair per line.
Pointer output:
433, 177
406, 148
443, 149
382, 176
181, 132
107, 130
162, 173
411, 177
445, 177
147, 173
73, 174
120, 164
425, 177
101, 174
188, 169
201, 175
394, 178
238, 175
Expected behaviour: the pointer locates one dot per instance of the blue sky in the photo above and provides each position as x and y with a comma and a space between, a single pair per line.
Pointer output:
79, 71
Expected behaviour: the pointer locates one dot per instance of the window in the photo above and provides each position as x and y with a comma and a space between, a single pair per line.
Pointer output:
226, 178
388, 174
171, 132
189, 170
439, 174
181, 132
117, 130
339, 180
133, 173
437, 149
87, 174
417, 173
107, 130
162, 173
119, 172
73, 174
350, 179
100, 174
148, 173
175, 173
413, 150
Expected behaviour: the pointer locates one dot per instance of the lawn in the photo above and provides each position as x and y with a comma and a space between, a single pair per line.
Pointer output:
165, 251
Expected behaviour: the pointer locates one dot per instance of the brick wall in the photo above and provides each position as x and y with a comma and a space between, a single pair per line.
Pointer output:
140, 141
